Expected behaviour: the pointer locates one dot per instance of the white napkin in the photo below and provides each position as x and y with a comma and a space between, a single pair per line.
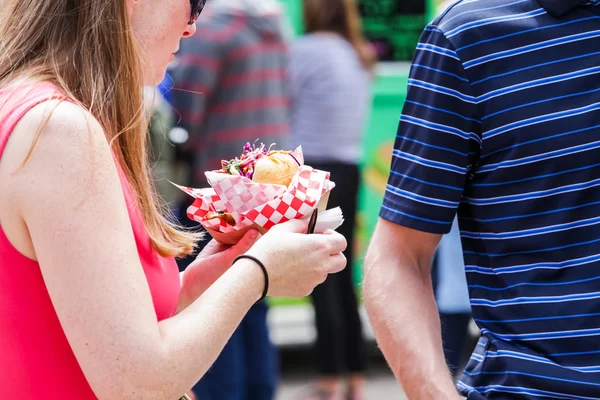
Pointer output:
329, 219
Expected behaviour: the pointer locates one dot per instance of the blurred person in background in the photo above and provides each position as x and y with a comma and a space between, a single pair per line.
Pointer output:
330, 75
452, 299
160, 117
229, 82
229, 89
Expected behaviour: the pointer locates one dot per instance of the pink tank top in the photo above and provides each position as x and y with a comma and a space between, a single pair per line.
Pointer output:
36, 361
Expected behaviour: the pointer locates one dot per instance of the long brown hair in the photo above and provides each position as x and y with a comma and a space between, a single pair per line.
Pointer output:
341, 17
87, 49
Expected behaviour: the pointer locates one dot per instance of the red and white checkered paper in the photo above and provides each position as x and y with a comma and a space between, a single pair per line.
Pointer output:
255, 203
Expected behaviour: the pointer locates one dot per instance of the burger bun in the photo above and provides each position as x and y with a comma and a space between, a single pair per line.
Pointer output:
278, 168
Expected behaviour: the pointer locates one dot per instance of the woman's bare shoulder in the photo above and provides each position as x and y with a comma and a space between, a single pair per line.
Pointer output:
61, 119
57, 134
57, 144
57, 162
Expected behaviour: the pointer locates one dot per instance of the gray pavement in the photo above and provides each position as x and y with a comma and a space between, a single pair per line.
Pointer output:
380, 386
292, 330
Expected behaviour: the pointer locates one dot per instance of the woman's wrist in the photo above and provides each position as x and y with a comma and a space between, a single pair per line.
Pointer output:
252, 275
261, 265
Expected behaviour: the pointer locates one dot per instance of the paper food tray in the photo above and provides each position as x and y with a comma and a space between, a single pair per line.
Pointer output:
261, 206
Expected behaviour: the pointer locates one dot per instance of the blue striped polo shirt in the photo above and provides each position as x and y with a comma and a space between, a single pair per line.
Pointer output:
502, 126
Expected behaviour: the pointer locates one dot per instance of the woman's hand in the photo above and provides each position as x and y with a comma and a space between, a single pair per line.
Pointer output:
210, 264
297, 262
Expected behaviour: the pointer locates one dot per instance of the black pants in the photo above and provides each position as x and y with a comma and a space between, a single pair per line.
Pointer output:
340, 344
455, 331
248, 366
455, 336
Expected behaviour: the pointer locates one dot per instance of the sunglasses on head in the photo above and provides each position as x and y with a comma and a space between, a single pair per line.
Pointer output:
196, 6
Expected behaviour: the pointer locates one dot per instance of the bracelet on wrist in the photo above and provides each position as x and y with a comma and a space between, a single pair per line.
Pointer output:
262, 267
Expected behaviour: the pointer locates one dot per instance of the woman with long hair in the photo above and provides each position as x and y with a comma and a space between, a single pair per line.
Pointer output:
330, 72
92, 304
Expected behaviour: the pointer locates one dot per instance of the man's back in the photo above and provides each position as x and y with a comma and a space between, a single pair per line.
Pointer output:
502, 122
230, 85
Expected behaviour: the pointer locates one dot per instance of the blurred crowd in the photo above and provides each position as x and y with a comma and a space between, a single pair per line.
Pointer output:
243, 77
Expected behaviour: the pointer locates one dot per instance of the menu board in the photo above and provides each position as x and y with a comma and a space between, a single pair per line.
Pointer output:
393, 26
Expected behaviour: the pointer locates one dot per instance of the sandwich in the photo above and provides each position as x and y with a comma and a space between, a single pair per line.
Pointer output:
263, 165
260, 189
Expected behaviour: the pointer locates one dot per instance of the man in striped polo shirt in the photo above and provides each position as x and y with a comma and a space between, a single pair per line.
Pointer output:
502, 126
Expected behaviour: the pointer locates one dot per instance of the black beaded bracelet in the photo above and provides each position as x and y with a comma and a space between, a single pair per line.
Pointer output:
264, 270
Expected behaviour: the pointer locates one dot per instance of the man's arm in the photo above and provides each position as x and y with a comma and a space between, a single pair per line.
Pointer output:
399, 299
436, 148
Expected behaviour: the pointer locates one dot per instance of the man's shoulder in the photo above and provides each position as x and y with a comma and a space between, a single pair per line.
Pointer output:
472, 15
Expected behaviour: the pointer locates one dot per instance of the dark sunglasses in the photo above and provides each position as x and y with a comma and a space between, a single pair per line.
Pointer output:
197, 6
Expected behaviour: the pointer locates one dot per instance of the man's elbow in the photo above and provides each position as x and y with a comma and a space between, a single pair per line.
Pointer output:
371, 277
